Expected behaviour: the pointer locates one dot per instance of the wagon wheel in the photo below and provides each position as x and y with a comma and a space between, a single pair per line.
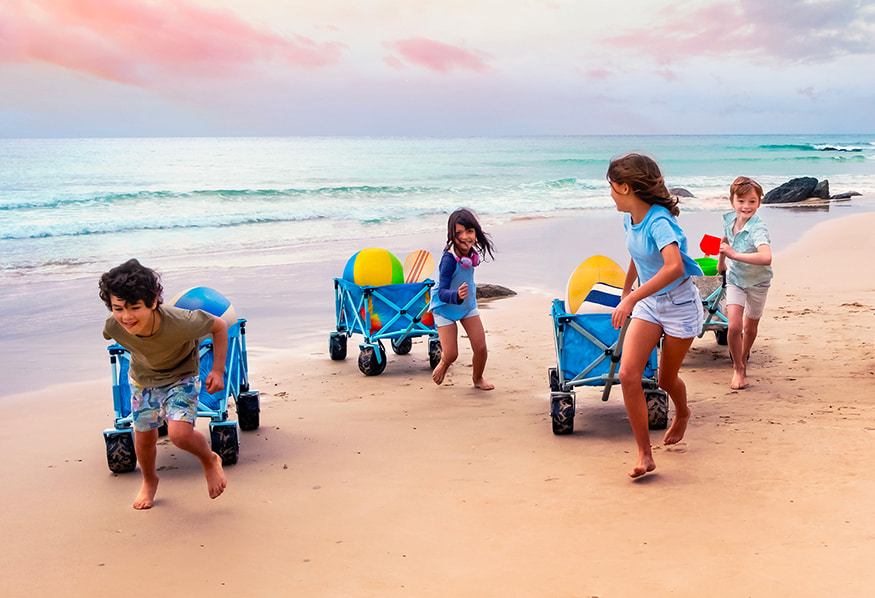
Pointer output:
434, 352
562, 413
403, 346
120, 455
248, 410
223, 441
722, 336
553, 377
372, 360
337, 346
657, 409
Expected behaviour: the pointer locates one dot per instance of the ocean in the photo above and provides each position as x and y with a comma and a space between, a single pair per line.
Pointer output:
72, 207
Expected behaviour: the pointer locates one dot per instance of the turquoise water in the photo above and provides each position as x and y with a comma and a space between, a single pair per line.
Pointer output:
69, 206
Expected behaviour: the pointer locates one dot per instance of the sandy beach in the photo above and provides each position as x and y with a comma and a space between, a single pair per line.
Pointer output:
392, 486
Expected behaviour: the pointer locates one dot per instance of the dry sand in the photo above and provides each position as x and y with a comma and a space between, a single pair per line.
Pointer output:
392, 486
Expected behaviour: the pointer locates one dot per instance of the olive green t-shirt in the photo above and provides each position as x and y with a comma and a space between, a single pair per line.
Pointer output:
168, 355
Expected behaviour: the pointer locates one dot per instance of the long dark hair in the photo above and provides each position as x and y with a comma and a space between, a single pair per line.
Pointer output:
466, 218
643, 176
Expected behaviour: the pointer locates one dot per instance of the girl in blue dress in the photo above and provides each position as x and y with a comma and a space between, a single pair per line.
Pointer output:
666, 304
456, 296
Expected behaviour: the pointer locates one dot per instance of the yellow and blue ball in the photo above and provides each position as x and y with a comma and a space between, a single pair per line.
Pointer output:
210, 300
374, 267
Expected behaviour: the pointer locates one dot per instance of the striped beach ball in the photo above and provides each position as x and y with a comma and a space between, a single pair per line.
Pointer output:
375, 267
210, 300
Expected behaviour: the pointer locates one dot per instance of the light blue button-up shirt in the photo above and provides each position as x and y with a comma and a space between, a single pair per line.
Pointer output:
747, 240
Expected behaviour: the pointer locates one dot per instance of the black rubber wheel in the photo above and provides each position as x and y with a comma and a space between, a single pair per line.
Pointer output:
562, 413
403, 347
372, 362
722, 336
657, 409
120, 455
553, 377
224, 442
248, 410
434, 352
162, 430
337, 346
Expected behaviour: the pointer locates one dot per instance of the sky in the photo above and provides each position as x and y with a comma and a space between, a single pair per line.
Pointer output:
129, 68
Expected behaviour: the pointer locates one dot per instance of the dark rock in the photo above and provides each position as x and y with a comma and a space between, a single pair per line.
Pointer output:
798, 189
493, 291
847, 195
679, 192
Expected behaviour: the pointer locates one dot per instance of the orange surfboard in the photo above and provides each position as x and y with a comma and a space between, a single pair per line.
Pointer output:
418, 266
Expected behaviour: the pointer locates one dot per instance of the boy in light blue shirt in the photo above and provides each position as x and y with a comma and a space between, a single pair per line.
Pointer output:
749, 273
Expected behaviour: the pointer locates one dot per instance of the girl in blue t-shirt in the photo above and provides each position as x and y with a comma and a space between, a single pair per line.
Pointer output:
665, 304
456, 296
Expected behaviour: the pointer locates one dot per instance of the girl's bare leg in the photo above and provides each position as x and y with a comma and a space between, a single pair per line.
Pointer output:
673, 352
448, 336
146, 449
477, 336
641, 338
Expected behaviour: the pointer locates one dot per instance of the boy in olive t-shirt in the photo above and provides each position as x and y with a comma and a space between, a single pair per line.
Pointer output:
163, 342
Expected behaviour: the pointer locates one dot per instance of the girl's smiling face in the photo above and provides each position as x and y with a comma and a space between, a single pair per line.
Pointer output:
464, 240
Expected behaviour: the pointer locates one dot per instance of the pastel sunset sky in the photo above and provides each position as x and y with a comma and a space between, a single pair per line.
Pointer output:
80, 68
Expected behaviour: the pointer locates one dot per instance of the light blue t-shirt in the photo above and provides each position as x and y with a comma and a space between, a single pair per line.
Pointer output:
646, 240
747, 240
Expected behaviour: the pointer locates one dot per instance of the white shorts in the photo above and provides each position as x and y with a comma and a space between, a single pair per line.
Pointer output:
752, 299
678, 311
439, 320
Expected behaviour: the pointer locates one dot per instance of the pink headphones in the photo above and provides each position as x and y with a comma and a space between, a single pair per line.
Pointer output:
468, 262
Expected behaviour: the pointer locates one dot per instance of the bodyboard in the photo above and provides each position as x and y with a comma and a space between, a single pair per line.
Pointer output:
594, 270
418, 266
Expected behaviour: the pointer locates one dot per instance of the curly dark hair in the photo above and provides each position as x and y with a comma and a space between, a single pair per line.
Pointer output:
642, 174
466, 218
131, 282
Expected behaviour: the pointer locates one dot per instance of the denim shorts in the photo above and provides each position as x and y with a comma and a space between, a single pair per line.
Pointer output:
752, 299
678, 311
174, 402
439, 320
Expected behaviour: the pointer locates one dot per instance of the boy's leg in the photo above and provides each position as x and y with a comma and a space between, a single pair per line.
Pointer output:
146, 449
183, 435
449, 351
751, 327
477, 337
673, 352
735, 339
641, 338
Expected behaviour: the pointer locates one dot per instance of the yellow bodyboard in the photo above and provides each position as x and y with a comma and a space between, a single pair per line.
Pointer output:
418, 266
593, 270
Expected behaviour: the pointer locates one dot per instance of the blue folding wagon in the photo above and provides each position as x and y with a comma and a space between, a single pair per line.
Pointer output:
120, 455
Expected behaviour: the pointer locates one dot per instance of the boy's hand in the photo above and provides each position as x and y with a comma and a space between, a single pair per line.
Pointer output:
463, 291
215, 382
726, 249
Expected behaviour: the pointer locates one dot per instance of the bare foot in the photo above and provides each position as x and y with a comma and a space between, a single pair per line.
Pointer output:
739, 380
483, 384
439, 372
146, 498
216, 481
645, 465
675, 433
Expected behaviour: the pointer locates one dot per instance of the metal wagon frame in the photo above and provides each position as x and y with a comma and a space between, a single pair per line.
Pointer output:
402, 306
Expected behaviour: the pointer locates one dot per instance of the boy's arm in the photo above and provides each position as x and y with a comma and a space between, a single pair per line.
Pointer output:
721, 259
216, 378
761, 257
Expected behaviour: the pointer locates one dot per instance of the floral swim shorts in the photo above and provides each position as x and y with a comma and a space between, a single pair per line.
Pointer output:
173, 402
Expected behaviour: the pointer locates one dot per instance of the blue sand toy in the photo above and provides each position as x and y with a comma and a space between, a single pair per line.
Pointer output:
120, 455
397, 312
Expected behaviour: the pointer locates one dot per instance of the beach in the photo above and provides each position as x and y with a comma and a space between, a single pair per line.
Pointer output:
392, 486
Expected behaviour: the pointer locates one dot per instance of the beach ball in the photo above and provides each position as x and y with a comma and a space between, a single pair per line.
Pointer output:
210, 300
374, 267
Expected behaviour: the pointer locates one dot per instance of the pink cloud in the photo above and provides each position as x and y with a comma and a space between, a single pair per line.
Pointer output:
783, 29
131, 41
438, 56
